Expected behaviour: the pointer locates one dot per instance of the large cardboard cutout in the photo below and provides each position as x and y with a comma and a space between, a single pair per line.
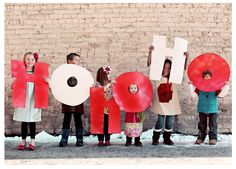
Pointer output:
216, 65
40, 86
71, 84
133, 103
161, 53
97, 105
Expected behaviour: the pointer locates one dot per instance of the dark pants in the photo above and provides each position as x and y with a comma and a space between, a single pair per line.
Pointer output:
24, 129
67, 120
202, 126
106, 135
160, 122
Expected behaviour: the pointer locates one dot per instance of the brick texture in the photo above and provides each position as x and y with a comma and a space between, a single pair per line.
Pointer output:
115, 34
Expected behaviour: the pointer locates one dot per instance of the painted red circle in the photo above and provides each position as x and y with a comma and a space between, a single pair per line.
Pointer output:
127, 101
213, 62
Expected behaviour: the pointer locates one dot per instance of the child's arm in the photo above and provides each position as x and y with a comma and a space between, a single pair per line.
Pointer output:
224, 90
186, 60
149, 60
192, 90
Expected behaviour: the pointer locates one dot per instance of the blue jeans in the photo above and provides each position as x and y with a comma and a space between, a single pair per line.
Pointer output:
160, 121
202, 125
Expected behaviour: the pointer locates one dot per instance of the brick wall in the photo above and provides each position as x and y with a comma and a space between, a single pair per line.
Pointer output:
118, 35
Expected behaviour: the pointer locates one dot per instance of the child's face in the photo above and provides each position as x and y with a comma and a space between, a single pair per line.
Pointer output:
166, 70
133, 88
207, 77
29, 60
75, 60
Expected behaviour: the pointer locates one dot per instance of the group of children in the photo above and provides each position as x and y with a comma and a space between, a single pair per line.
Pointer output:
166, 108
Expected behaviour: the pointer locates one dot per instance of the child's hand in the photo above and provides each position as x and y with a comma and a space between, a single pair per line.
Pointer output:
13, 80
186, 55
190, 82
47, 80
96, 84
151, 48
113, 82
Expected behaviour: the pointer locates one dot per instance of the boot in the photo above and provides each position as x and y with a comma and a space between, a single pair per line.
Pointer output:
212, 141
167, 139
128, 141
199, 141
64, 137
138, 142
79, 137
155, 138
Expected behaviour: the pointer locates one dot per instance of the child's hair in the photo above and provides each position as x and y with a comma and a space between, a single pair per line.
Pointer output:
167, 61
102, 76
71, 56
206, 72
35, 55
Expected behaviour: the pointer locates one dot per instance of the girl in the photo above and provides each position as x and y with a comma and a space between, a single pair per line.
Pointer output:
166, 102
133, 123
28, 115
208, 109
104, 81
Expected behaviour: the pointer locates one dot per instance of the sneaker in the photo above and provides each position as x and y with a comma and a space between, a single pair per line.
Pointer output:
199, 141
21, 147
212, 141
79, 144
63, 143
100, 143
31, 147
107, 143
127, 144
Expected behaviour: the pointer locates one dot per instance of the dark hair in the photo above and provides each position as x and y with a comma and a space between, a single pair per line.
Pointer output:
102, 76
71, 56
167, 61
206, 72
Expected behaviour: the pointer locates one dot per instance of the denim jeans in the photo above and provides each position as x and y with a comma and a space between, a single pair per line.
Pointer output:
202, 125
160, 121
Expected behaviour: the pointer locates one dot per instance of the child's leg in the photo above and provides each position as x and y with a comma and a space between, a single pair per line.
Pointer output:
107, 135
157, 129
32, 132
138, 142
202, 126
79, 129
24, 132
168, 130
159, 123
65, 129
213, 128
66, 121
128, 141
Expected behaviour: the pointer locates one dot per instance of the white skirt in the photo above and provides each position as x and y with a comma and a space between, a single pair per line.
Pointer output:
29, 113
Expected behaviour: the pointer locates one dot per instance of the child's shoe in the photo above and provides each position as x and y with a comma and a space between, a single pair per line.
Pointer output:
128, 141
100, 143
107, 143
31, 147
21, 147
138, 142
199, 141
212, 141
